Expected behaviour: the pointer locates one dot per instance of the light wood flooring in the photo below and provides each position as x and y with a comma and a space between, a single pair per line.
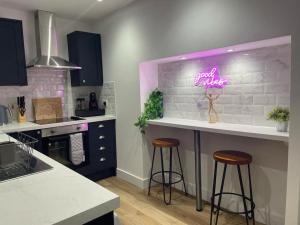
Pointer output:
139, 209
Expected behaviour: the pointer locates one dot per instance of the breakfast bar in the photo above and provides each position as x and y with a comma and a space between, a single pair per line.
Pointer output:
260, 132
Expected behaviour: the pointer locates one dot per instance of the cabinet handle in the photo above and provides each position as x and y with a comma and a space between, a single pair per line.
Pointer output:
102, 148
100, 126
102, 159
101, 137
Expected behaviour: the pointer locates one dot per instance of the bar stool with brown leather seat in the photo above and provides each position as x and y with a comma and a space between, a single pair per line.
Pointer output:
166, 143
238, 159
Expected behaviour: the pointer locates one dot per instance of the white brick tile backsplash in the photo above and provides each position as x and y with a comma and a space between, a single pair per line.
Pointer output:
168, 99
258, 82
233, 109
47, 83
253, 89
277, 88
283, 100
225, 99
186, 99
240, 119
265, 99
252, 78
242, 99
253, 110
233, 90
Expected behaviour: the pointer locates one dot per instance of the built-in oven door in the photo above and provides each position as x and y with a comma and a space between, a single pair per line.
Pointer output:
58, 148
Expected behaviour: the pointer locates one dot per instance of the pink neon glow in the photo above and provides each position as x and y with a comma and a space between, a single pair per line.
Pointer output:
210, 79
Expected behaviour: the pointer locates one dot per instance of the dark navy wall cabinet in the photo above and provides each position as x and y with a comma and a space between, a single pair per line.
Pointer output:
85, 51
12, 54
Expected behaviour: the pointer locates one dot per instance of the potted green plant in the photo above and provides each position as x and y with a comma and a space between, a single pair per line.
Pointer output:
281, 115
153, 109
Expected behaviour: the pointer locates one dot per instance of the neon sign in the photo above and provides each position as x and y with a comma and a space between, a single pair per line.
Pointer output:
210, 79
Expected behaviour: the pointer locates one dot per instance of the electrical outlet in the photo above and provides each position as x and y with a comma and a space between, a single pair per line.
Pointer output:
105, 102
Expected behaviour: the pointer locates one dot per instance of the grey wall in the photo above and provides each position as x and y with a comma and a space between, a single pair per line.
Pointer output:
150, 29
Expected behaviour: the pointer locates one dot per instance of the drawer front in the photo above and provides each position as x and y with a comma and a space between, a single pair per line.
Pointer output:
103, 160
102, 128
106, 140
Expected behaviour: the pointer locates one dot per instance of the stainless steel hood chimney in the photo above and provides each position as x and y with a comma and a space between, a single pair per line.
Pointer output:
46, 44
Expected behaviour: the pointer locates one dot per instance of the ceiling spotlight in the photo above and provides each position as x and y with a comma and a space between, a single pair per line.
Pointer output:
99, 0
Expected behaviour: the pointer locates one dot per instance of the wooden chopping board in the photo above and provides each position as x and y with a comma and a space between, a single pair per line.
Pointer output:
47, 108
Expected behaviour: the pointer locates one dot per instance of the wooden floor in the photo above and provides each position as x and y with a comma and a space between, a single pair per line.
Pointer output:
139, 209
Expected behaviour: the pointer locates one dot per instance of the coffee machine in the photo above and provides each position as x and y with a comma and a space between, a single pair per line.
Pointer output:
93, 104
92, 109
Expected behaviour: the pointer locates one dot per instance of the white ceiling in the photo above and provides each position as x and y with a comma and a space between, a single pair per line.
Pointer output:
84, 10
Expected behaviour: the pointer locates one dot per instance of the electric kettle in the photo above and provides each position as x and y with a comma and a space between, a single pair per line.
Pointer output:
4, 112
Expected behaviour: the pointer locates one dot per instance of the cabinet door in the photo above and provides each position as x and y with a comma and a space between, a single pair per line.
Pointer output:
12, 55
85, 51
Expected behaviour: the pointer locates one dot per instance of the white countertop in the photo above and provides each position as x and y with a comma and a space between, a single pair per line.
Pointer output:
57, 196
261, 132
19, 127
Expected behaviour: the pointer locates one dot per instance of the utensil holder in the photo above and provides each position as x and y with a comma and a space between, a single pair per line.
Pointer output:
21, 119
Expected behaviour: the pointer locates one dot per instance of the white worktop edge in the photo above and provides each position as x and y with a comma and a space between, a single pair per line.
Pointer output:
21, 127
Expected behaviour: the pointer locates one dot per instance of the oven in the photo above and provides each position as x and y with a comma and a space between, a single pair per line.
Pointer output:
56, 143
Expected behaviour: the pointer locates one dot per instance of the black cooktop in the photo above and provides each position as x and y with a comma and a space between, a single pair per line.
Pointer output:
57, 120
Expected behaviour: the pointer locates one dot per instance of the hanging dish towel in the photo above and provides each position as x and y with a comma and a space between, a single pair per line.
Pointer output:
76, 151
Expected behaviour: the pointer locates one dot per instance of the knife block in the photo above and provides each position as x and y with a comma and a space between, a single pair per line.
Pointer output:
21, 119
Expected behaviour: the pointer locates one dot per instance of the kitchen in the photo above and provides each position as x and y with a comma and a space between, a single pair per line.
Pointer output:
258, 69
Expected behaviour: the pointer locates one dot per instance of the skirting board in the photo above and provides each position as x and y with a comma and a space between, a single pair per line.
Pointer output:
263, 215
133, 179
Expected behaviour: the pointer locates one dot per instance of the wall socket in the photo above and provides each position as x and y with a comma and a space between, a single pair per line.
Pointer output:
104, 102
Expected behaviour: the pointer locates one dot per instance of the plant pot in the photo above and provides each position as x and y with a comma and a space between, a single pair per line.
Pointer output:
282, 126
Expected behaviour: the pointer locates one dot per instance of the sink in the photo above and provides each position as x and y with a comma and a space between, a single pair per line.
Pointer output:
18, 170
17, 159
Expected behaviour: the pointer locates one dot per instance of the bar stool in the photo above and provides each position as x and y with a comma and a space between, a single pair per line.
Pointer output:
238, 159
166, 143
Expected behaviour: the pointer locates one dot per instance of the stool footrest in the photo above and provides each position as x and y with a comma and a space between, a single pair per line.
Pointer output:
237, 213
178, 180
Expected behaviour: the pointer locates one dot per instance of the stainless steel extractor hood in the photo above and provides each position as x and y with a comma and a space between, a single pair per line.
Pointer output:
46, 44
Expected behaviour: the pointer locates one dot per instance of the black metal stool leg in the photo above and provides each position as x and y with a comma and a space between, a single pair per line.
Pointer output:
221, 192
213, 193
163, 174
181, 171
243, 193
251, 196
151, 172
170, 176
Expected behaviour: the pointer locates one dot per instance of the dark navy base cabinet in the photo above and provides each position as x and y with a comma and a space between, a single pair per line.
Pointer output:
102, 148
85, 51
12, 53
107, 219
